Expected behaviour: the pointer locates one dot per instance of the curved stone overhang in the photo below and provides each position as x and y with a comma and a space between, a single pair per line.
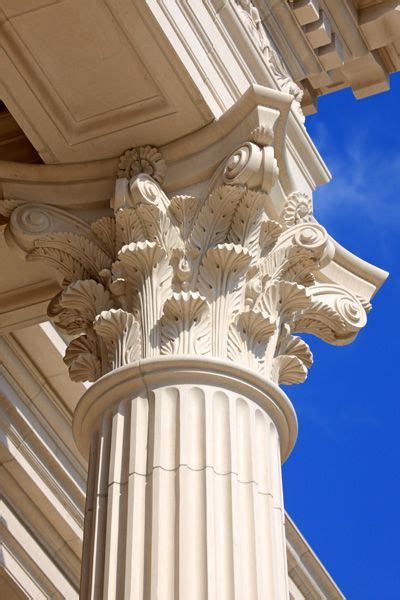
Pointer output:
194, 162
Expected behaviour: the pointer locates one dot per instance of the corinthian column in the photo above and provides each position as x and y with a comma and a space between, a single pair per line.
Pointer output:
184, 312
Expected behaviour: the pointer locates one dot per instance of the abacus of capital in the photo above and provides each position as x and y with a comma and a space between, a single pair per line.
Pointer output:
183, 303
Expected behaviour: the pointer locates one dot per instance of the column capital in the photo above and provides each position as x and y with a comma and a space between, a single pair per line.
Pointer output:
225, 274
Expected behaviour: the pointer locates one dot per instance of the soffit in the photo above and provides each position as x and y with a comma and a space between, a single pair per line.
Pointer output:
86, 80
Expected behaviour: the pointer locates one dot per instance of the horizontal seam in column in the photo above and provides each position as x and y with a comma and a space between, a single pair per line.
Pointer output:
149, 474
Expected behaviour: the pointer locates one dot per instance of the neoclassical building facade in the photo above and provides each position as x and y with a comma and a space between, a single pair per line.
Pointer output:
159, 262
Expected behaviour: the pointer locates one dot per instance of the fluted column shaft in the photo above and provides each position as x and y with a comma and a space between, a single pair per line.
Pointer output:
185, 495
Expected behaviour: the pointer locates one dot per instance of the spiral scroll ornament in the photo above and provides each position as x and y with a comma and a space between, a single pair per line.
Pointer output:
352, 311
32, 219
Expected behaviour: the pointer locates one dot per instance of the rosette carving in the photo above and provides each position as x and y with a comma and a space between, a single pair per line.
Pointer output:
297, 209
144, 159
220, 276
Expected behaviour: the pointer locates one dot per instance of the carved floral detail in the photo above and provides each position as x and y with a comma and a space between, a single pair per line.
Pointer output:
252, 21
83, 360
120, 333
248, 338
297, 209
144, 159
185, 325
215, 276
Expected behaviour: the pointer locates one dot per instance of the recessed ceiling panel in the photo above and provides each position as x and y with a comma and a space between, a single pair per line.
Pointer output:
86, 58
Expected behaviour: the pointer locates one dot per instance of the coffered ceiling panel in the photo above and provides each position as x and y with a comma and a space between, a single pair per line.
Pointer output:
86, 80
77, 46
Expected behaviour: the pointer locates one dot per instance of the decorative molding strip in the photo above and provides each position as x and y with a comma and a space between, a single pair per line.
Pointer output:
253, 23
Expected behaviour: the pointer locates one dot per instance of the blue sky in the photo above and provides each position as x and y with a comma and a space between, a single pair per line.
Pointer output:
342, 481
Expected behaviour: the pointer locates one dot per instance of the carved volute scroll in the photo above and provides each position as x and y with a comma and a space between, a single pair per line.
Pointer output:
220, 276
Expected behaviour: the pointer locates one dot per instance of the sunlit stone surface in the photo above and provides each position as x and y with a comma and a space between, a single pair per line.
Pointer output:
171, 242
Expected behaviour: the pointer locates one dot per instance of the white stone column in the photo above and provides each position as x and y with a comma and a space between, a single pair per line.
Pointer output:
183, 310
185, 492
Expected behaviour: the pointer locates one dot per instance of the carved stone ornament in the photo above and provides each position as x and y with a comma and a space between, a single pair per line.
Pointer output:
252, 21
220, 276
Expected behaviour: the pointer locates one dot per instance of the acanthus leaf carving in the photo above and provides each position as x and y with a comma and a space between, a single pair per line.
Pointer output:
246, 224
148, 275
216, 276
87, 297
248, 337
214, 218
129, 229
292, 358
292, 345
183, 209
83, 359
75, 256
120, 333
150, 209
335, 315
79, 304
221, 273
270, 231
105, 230
281, 299
185, 327
288, 370
298, 252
